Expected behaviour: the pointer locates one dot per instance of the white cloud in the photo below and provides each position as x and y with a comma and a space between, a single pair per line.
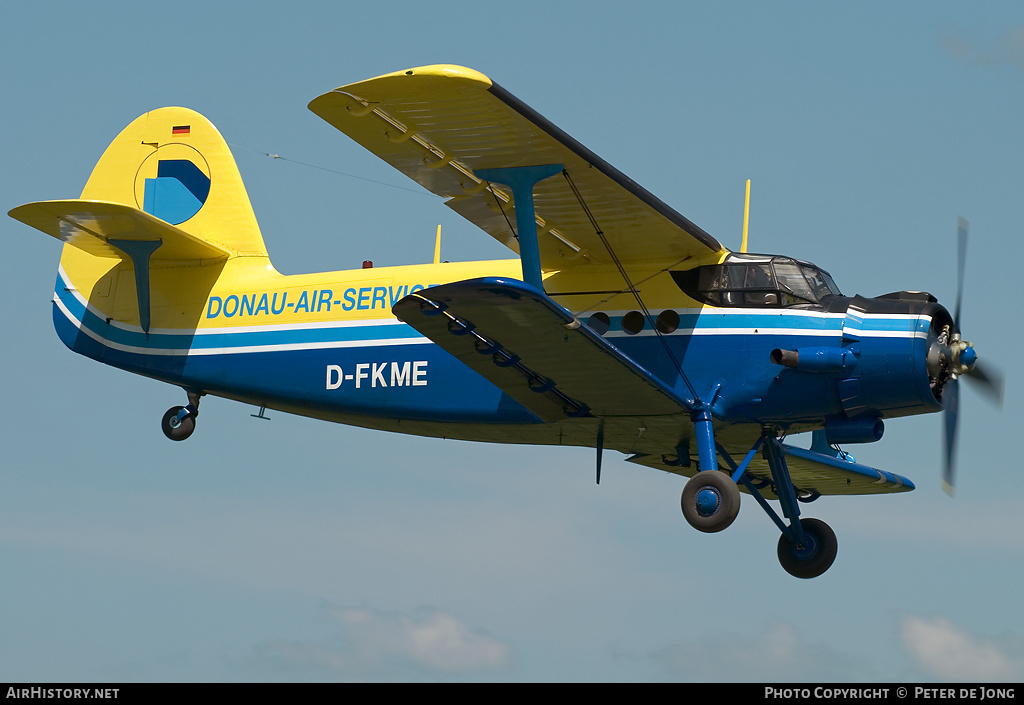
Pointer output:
436, 640
373, 644
948, 653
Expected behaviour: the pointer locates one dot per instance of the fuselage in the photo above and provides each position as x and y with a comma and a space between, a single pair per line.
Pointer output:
328, 346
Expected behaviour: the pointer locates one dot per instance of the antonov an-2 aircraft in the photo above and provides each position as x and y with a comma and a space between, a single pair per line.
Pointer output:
622, 326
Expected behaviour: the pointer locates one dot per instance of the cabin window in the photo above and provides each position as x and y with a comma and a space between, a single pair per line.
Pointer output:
633, 323
667, 321
599, 322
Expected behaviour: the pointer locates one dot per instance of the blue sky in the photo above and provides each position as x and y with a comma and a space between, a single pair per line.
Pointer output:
300, 550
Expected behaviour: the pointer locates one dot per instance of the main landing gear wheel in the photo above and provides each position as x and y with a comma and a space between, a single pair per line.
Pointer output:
175, 428
815, 556
710, 501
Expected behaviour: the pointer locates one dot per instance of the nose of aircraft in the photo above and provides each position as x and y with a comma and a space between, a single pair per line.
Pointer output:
962, 361
984, 377
968, 357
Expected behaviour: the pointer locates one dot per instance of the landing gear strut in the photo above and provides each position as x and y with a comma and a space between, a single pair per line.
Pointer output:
807, 547
179, 422
711, 501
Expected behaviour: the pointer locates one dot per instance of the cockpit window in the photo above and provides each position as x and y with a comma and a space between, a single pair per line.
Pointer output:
791, 279
757, 280
827, 287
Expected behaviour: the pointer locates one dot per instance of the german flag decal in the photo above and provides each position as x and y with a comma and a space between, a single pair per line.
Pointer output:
180, 129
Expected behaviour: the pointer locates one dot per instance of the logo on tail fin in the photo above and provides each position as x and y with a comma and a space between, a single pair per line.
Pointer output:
173, 183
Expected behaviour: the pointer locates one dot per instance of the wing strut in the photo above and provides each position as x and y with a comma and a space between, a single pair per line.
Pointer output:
522, 179
782, 484
140, 251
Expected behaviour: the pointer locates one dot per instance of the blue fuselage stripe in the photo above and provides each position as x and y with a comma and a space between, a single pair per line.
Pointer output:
384, 367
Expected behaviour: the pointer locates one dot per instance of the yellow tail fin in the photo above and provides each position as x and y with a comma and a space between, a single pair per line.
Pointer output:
162, 213
173, 164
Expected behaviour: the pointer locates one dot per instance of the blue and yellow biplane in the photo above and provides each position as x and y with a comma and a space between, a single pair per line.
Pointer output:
621, 326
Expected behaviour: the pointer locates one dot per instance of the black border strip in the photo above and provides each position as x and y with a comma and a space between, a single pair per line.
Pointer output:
607, 169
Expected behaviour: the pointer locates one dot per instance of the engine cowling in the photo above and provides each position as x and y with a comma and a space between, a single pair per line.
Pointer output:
895, 355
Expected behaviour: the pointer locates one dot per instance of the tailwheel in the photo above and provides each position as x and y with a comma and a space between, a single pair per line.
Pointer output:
178, 423
814, 556
710, 501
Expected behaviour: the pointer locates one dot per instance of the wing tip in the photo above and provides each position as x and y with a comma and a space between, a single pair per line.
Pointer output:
446, 71
430, 72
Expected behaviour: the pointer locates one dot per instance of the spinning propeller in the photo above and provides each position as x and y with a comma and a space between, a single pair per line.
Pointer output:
959, 358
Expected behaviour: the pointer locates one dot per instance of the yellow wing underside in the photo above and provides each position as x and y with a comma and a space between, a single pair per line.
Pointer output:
91, 225
438, 124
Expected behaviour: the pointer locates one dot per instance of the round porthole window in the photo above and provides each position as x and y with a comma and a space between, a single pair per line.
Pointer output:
599, 323
668, 321
633, 323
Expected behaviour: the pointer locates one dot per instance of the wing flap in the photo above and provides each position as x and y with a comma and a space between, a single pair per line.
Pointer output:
438, 124
92, 225
535, 351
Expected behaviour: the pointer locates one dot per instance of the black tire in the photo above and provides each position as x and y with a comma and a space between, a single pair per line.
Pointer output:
182, 430
816, 556
710, 501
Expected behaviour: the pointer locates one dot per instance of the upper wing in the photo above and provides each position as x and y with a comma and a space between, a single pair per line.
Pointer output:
438, 124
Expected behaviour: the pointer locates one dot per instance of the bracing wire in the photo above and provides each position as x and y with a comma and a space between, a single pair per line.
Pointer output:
332, 171
629, 284
502, 209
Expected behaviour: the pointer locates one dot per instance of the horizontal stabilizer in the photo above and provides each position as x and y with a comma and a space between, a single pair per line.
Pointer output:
115, 230
92, 225
535, 350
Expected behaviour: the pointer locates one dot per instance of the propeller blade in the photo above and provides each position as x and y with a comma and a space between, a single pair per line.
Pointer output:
988, 381
950, 412
961, 251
